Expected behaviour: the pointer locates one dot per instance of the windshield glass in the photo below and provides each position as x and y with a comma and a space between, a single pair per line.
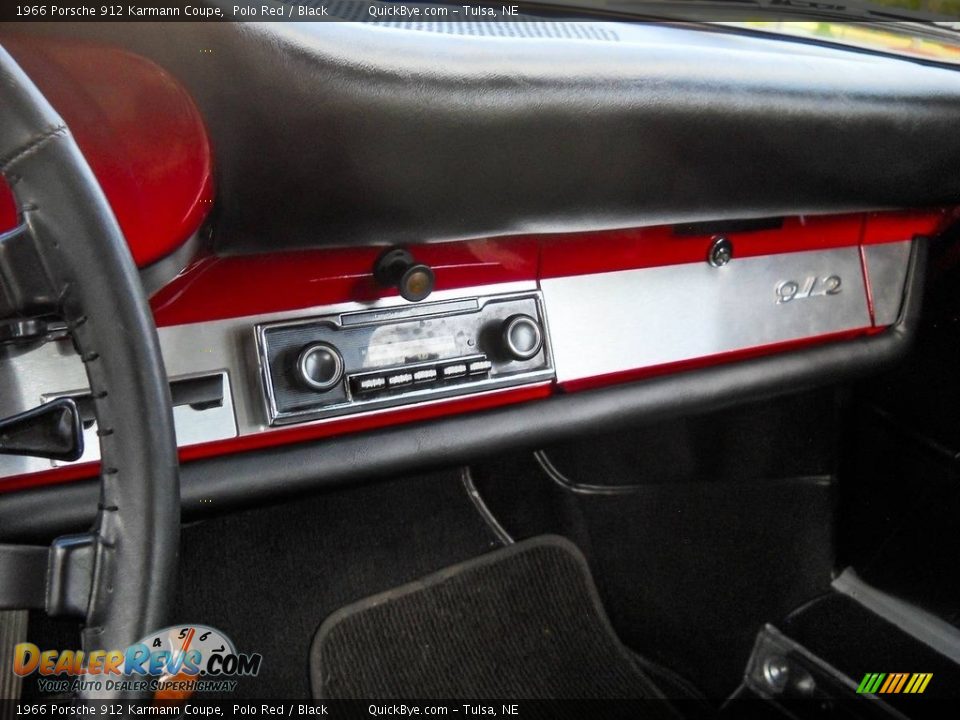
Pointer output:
938, 43
920, 29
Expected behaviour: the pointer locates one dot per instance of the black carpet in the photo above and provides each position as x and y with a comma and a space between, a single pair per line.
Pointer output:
524, 622
268, 577
706, 547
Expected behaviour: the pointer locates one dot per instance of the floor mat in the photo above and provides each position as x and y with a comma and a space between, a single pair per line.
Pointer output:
521, 622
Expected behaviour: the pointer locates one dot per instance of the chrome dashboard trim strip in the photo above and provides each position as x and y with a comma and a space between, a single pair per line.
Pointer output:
631, 319
367, 317
228, 346
193, 426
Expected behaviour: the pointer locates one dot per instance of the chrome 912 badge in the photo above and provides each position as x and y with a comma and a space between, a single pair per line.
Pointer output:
790, 290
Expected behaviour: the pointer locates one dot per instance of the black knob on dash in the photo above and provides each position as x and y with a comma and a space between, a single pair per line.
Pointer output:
320, 366
522, 337
397, 268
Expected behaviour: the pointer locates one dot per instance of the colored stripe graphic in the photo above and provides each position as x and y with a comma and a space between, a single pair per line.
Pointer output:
894, 683
891, 681
870, 683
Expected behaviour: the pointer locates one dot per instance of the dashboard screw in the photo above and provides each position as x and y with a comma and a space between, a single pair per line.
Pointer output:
721, 251
776, 672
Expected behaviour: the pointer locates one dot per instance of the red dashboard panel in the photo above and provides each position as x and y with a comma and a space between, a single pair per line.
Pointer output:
214, 288
586, 253
887, 227
138, 128
597, 252
223, 287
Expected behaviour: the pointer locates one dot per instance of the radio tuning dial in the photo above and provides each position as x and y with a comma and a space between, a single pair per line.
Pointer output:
522, 337
320, 366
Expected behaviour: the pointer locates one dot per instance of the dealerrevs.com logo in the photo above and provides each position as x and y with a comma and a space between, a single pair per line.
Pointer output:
177, 659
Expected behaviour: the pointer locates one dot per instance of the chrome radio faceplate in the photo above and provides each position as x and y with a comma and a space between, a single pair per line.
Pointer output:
344, 363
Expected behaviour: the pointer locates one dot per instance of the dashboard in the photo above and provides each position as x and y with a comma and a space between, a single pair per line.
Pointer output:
551, 315
294, 343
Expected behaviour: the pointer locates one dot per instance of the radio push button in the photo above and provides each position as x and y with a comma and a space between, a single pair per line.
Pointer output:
369, 384
480, 366
399, 379
425, 375
452, 371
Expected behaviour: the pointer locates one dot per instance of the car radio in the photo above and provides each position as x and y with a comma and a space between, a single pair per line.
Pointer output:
370, 359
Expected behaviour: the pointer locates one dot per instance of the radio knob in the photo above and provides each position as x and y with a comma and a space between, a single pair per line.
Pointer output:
522, 337
320, 366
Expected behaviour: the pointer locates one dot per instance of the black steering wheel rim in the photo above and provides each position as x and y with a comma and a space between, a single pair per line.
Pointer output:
97, 291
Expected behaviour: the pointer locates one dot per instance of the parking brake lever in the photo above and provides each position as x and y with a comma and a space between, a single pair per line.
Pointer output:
52, 430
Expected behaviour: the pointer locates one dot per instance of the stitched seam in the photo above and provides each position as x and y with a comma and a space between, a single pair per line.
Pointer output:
31, 147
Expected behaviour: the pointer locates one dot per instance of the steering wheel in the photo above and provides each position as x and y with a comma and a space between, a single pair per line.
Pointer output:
120, 576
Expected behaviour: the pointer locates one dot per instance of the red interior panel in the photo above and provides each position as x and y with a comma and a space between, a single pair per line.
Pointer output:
586, 253
139, 130
222, 287
886, 227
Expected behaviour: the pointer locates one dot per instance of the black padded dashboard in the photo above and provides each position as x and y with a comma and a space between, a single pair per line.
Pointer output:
339, 133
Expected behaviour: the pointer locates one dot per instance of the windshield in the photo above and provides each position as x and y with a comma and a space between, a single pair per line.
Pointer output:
920, 29
939, 44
